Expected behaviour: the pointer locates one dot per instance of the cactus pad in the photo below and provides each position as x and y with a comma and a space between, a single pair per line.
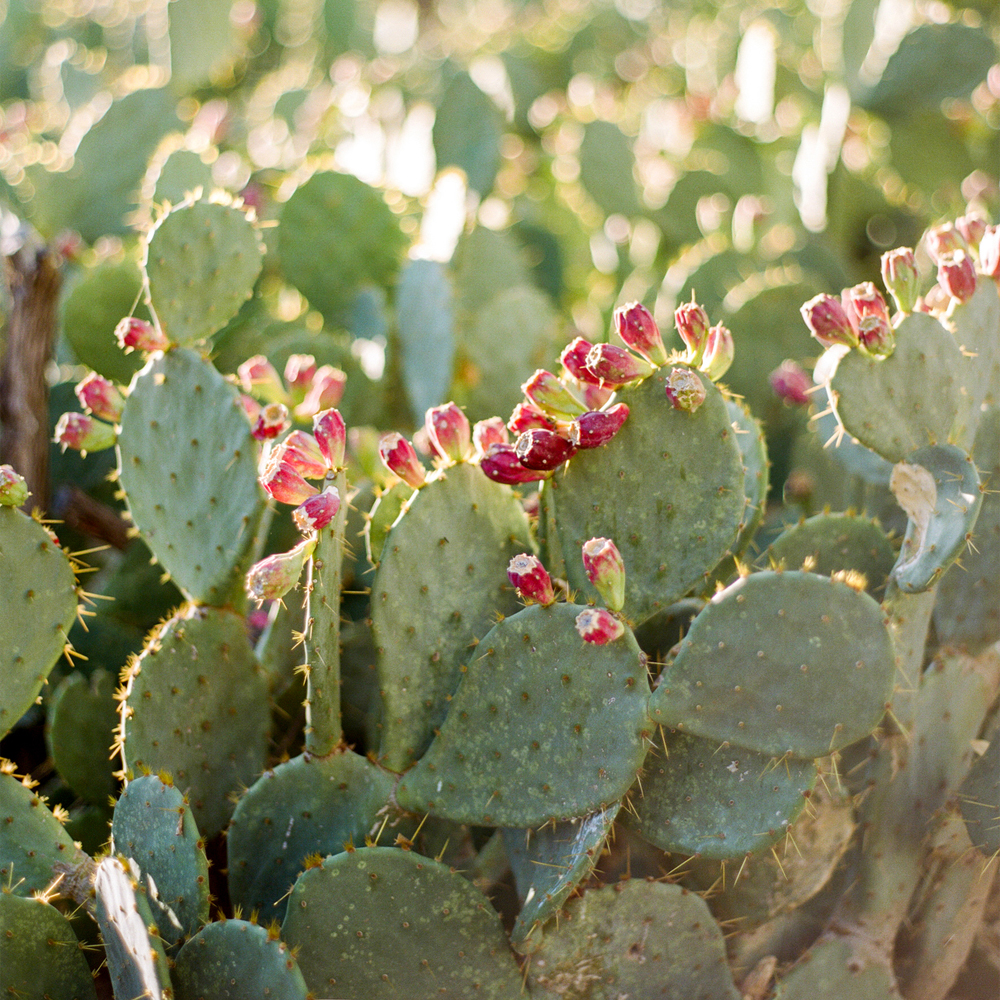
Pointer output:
187, 461
781, 663
543, 726
384, 512
980, 796
976, 327
195, 706
379, 922
756, 475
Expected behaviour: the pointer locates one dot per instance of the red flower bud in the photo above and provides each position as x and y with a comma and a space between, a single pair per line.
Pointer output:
260, 378
273, 577
599, 626
692, 324
719, 352
591, 430
971, 228
302, 452
526, 417
616, 366
828, 321
685, 389
282, 482
331, 436
489, 432
272, 420
502, 465
100, 397
530, 578
326, 391
876, 336
549, 395
400, 458
989, 252
634, 323
543, 450
899, 272
83, 433
315, 513
605, 570
957, 275
449, 432
574, 360
867, 301
300, 371
13, 487
791, 382
137, 335
943, 239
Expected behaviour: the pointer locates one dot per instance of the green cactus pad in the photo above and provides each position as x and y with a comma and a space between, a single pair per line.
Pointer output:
976, 327
233, 960
82, 716
135, 955
844, 449
40, 956
913, 398
716, 801
668, 489
201, 262
336, 235
384, 512
187, 461
381, 922
549, 863
938, 487
781, 663
441, 580
634, 939
153, 826
831, 543
37, 586
487, 262
309, 805
196, 707
32, 840
544, 726
756, 470
175, 174
838, 967
980, 796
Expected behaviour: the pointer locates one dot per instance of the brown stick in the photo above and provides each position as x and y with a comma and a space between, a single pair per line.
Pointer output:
32, 279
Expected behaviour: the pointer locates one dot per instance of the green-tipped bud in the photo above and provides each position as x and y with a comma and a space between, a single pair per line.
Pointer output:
605, 570
692, 324
719, 352
449, 432
634, 323
899, 273
400, 458
876, 336
549, 394
685, 390
598, 626
83, 433
100, 397
13, 487
273, 577
531, 579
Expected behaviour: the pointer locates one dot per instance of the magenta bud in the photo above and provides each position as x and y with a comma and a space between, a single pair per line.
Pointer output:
549, 395
957, 275
325, 392
284, 483
13, 487
574, 360
591, 430
828, 321
273, 577
867, 300
899, 273
719, 352
543, 450
942, 240
971, 228
137, 335
605, 570
692, 324
502, 465
449, 432
791, 383
260, 378
876, 336
599, 626
616, 366
989, 252
83, 433
302, 452
486, 433
526, 417
531, 579
300, 371
100, 397
315, 513
400, 458
634, 323
331, 436
272, 420
685, 389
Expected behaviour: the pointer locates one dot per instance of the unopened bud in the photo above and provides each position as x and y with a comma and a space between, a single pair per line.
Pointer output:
549, 395
942, 240
400, 458
605, 570
692, 324
989, 252
720, 350
574, 360
598, 427
971, 228
260, 378
543, 450
828, 322
315, 513
531, 579
83, 433
449, 432
331, 436
957, 275
616, 366
325, 392
685, 389
284, 483
867, 300
273, 577
100, 397
635, 325
526, 417
599, 626
135, 334
272, 420
486, 433
899, 272
876, 336
791, 383
300, 371
13, 487
502, 465
302, 452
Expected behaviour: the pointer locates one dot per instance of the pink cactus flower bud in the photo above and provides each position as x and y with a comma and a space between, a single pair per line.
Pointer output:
616, 366
591, 430
137, 335
943, 239
574, 360
605, 569
282, 482
634, 323
719, 352
326, 392
594, 396
599, 626
876, 336
275, 576
791, 383
551, 396
250, 407
489, 432
684, 389
692, 324
13, 487
302, 452
530, 578
957, 275
526, 417
260, 378
331, 436
867, 300
543, 450
300, 371
100, 397
989, 252
828, 321
272, 420
83, 433
899, 273
317, 512
449, 432
971, 228
502, 465
400, 458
